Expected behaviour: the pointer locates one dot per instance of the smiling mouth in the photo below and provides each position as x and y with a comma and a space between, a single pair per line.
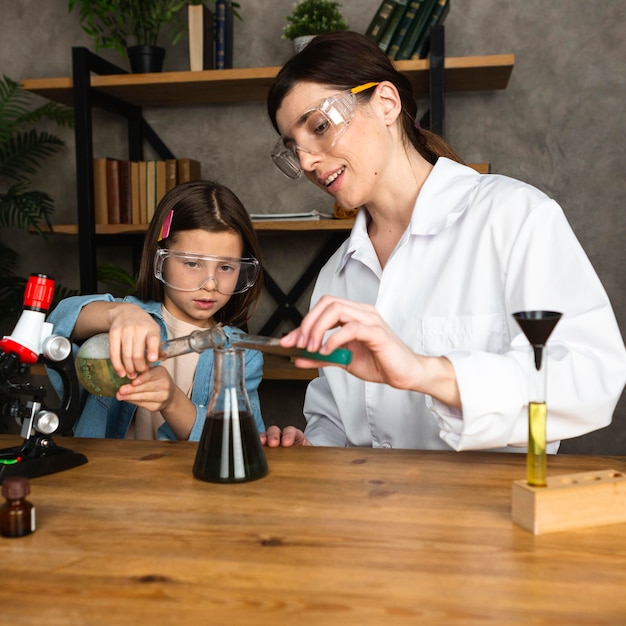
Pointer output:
333, 177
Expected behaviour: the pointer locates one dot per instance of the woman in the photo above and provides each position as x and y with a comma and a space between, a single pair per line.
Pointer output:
424, 289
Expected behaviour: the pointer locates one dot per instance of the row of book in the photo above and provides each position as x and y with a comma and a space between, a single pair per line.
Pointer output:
128, 192
401, 28
210, 36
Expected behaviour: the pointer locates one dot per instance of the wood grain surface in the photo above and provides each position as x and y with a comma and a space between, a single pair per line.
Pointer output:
330, 536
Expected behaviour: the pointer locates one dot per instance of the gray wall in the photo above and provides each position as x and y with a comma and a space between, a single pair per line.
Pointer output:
559, 125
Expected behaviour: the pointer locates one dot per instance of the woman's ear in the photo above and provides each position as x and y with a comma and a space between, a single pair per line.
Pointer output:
389, 101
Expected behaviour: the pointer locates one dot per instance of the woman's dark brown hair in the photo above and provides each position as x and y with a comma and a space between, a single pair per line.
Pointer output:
344, 60
201, 205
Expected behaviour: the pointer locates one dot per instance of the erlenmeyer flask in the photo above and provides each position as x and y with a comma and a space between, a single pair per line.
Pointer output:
230, 449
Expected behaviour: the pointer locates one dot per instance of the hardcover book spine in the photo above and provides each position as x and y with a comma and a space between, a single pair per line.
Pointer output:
403, 28
143, 193
201, 24
377, 26
125, 192
223, 35
134, 193
170, 174
393, 23
415, 30
188, 169
113, 190
100, 204
437, 17
160, 182
150, 189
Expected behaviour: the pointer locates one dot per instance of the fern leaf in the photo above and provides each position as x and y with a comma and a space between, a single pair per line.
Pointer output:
25, 209
22, 154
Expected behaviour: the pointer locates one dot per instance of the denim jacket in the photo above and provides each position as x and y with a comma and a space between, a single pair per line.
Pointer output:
108, 417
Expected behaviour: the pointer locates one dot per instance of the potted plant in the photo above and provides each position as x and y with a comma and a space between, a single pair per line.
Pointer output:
22, 151
133, 27
310, 18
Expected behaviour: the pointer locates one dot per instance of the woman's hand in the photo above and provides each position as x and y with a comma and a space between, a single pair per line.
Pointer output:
378, 354
290, 436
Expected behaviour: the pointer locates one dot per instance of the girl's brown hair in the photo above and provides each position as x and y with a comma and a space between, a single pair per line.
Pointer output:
344, 60
201, 205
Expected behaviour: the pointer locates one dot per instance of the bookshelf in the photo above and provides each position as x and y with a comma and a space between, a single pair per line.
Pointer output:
475, 73
98, 83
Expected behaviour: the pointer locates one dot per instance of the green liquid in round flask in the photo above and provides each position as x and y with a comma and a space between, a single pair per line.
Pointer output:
93, 361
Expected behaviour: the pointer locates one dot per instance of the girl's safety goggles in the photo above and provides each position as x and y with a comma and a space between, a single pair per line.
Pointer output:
185, 271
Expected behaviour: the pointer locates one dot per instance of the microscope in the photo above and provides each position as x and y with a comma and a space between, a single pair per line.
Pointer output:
33, 342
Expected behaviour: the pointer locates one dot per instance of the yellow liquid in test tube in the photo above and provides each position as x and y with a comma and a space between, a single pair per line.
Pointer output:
536, 466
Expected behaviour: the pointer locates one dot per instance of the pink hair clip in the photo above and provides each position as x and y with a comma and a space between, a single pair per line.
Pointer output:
167, 224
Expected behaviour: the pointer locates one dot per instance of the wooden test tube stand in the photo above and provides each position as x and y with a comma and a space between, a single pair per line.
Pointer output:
570, 501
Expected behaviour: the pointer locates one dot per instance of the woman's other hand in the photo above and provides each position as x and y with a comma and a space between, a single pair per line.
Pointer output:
274, 437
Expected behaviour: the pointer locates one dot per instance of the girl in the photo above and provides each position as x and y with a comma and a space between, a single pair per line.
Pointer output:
198, 268
424, 289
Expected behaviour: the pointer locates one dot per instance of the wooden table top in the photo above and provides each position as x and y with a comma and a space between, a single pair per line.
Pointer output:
329, 536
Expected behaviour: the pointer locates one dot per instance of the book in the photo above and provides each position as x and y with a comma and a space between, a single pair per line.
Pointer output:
150, 189
143, 193
125, 192
309, 215
223, 35
415, 30
392, 24
100, 206
160, 182
171, 179
134, 193
113, 190
437, 17
379, 21
403, 27
188, 169
201, 25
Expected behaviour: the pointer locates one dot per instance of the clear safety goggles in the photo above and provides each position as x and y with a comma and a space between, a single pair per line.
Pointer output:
189, 272
317, 130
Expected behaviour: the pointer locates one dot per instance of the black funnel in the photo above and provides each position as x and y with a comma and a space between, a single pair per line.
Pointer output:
537, 326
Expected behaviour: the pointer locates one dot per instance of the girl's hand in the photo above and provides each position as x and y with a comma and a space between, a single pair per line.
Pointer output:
152, 390
134, 338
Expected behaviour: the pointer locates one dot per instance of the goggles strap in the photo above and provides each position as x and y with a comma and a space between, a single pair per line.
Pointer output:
364, 87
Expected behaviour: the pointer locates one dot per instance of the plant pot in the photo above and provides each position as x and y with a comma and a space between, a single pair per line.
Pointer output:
146, 59
301, 42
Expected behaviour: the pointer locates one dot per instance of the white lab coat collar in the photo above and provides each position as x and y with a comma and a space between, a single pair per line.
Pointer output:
445, 196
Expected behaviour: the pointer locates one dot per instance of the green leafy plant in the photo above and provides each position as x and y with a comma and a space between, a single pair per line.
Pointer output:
119, 281
118, 24
22, 151
312, 17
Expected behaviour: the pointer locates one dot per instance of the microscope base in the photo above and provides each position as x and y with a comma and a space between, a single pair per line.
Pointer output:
38, 458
